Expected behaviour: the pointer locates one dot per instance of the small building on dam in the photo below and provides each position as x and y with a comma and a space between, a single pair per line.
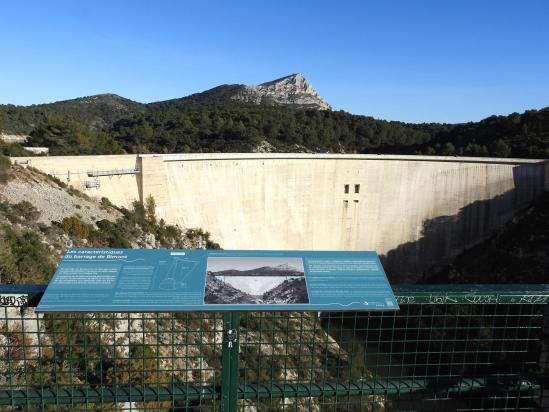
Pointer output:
413, 210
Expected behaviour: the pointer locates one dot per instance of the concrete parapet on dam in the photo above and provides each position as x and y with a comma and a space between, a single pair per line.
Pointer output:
414, 210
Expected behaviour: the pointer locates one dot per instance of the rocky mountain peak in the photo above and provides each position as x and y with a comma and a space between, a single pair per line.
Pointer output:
293, 90
294, 83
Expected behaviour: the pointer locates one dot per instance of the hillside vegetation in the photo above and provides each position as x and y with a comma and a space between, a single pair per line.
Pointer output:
213, 122
31, 247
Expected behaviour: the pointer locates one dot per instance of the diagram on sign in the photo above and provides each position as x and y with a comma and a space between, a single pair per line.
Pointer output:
255, 280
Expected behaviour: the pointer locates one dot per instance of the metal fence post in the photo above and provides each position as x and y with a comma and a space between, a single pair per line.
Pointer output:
230, 360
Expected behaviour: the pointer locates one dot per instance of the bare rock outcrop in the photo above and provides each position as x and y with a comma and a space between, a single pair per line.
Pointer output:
294, 90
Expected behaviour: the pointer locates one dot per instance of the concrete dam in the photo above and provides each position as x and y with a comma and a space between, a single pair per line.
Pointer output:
414, 210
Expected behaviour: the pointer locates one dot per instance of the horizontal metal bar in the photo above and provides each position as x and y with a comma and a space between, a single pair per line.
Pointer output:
380, 387
23, 289
106, 394
113, 172
298, 390
439, 294
176, 393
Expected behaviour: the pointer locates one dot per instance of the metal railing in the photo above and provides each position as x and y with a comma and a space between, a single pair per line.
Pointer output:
113, 172
448, 348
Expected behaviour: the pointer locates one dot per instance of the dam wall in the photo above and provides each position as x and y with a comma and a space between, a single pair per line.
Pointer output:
415, 211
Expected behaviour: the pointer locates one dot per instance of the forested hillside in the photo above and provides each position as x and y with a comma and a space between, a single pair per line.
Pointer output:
244, 128
96, 111
209, 122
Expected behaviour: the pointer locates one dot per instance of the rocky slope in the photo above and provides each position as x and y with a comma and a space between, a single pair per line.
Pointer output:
219, 292
289, 291
52, 200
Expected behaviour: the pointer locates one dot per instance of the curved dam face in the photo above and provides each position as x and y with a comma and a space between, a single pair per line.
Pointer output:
416, 211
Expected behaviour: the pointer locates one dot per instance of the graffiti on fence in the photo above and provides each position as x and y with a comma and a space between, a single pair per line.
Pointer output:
14, 300
531, 299
405, 300
473, 298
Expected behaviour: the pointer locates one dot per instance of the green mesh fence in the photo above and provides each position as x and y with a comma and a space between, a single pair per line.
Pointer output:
479, 348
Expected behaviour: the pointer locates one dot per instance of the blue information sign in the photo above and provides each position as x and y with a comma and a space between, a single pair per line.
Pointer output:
166, 280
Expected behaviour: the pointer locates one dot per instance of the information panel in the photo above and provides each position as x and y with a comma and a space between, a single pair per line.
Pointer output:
166, 280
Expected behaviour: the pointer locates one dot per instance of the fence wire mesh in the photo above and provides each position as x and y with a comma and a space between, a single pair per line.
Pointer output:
440, 352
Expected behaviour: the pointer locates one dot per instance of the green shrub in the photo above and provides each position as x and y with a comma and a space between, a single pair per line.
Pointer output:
150, 209
111, 234
138, 214
23, 257
58, 181
5, 165
22, 211
201, 237
26, 210
7, 211
75, 192
14, 149
107, 204
75, 227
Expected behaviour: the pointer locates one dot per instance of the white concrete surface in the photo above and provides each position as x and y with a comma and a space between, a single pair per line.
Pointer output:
414, 209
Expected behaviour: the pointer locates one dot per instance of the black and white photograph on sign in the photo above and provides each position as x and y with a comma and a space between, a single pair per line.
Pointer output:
255, 280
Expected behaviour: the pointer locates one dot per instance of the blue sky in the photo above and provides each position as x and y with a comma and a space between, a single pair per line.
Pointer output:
417, 61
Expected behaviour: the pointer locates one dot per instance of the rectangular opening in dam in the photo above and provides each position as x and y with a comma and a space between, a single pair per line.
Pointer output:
346, 188
357, 188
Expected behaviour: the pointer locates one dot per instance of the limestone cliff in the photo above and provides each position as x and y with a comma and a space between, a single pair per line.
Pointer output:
293, 90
